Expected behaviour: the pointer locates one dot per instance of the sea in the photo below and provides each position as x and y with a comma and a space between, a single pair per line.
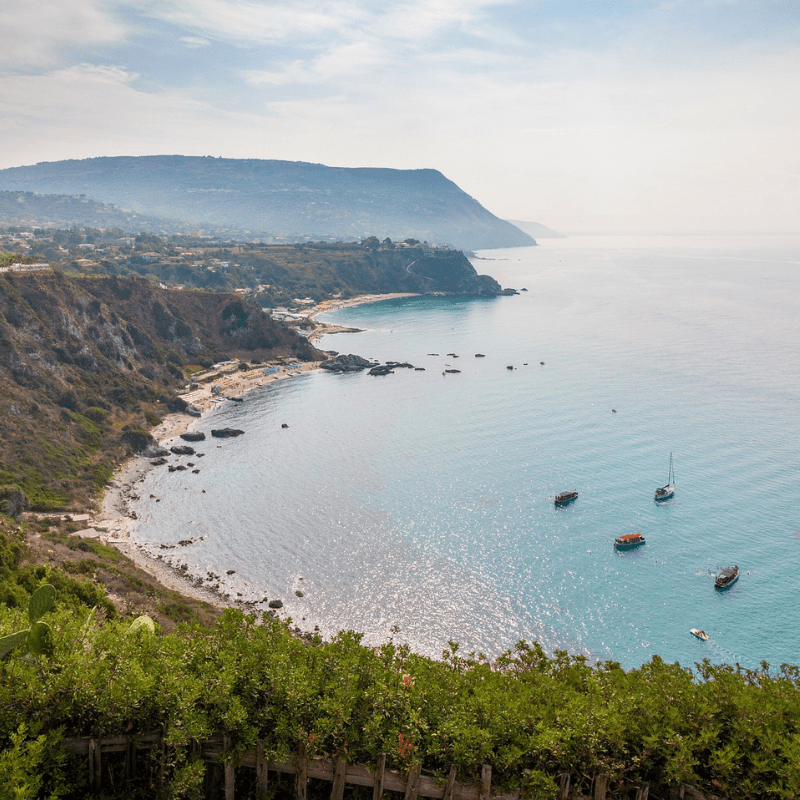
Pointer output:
419, 506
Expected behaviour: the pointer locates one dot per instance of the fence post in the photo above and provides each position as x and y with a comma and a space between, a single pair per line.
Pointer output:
486, 782
261, 769
130, 757
380, 769
337, 793
412, 784
563, 788
301, 784
451, 782
230, 786
600, 784
95, 764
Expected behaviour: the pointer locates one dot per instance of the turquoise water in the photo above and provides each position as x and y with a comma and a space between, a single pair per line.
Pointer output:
424, 500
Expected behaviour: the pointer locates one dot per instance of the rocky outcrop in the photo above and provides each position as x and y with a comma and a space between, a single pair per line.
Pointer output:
193, 436
226, 433
182, 450
138, 441
347, 363
13, 501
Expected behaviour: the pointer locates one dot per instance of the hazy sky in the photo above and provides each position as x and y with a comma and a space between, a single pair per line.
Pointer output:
616, 115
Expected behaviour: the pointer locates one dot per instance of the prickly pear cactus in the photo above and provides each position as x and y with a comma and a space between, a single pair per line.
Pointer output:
38, 637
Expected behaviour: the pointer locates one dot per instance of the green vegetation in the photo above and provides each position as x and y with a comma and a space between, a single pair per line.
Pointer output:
730, 731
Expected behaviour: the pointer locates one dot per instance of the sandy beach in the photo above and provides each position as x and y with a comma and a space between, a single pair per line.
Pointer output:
115, 523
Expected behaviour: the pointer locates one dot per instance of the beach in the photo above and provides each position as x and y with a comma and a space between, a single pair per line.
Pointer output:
115, 523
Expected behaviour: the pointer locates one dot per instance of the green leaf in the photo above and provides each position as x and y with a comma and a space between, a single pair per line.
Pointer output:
142, 623
8, 643
40, 641
41, 602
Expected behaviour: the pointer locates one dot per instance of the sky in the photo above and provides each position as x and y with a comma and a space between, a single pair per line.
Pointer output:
584, 115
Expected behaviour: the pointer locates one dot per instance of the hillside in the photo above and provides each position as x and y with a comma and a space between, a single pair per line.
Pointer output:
280, 200
88, 364
26, 209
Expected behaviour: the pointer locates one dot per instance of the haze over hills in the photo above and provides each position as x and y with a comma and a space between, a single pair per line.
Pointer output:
282, 200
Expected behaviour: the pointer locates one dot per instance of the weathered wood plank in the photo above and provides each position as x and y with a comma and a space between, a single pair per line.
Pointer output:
563, 786
301, 783
380, 770
600, 787
643, 791
486, 782
412, 784
451, 782
337, 791
95, 764
261, 769
230, 785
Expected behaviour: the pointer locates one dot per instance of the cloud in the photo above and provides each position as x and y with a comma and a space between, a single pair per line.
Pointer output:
194, 41
37, 34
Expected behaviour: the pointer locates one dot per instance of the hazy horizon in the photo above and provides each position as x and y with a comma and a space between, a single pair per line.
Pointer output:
583, 115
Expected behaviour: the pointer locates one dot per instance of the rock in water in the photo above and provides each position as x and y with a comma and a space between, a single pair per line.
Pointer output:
182, 450
347, 363
226, 433
197, 436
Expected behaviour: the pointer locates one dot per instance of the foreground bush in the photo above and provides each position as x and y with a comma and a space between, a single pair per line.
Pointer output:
528, 715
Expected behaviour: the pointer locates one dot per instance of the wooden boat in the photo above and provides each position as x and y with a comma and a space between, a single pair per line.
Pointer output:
565, 497
665, 492
727, 577
699, 634
629, 541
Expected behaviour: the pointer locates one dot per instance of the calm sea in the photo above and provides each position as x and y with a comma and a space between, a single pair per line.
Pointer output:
424, 499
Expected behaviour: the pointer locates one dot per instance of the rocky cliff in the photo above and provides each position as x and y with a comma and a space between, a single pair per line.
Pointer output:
87, 362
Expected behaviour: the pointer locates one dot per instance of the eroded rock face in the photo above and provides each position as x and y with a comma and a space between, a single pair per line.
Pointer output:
347, 363
138, 441
13, 501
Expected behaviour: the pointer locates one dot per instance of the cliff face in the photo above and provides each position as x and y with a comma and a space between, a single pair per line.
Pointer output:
293, 200
83, 361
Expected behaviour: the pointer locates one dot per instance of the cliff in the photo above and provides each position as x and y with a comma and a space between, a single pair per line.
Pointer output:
88, 364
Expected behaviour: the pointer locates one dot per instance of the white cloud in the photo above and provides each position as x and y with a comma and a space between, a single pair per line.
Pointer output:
194, 41
35, 34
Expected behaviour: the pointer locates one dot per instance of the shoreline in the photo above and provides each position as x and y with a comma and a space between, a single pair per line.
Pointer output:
115, 523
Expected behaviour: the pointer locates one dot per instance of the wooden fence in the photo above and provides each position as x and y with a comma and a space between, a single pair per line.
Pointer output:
412, 784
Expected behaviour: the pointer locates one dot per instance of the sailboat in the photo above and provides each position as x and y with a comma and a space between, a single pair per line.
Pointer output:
665, 492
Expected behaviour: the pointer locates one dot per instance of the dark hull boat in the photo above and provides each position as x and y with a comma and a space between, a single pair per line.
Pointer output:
629, 541
727, 577
565, 497
665, 492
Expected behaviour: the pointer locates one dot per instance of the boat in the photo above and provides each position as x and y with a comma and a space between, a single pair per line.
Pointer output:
699, 634
628, 541
665, 492
565, 497
727, 577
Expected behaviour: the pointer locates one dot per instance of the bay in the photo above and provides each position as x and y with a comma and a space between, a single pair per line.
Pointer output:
420, 505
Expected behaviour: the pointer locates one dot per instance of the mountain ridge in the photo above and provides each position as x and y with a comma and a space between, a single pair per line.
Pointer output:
284, 200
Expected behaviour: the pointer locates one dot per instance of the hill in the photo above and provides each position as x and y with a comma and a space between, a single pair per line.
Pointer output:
280, 200
89, 364
27, 209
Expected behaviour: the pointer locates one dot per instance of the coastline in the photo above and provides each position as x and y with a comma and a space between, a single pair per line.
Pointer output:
115, 523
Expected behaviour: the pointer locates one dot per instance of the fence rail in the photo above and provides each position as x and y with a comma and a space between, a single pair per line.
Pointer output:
412, 784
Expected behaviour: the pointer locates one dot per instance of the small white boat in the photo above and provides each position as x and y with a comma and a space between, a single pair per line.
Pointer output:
665, 492
699, 634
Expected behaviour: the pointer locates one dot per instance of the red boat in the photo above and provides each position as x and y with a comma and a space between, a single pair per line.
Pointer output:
628, 541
